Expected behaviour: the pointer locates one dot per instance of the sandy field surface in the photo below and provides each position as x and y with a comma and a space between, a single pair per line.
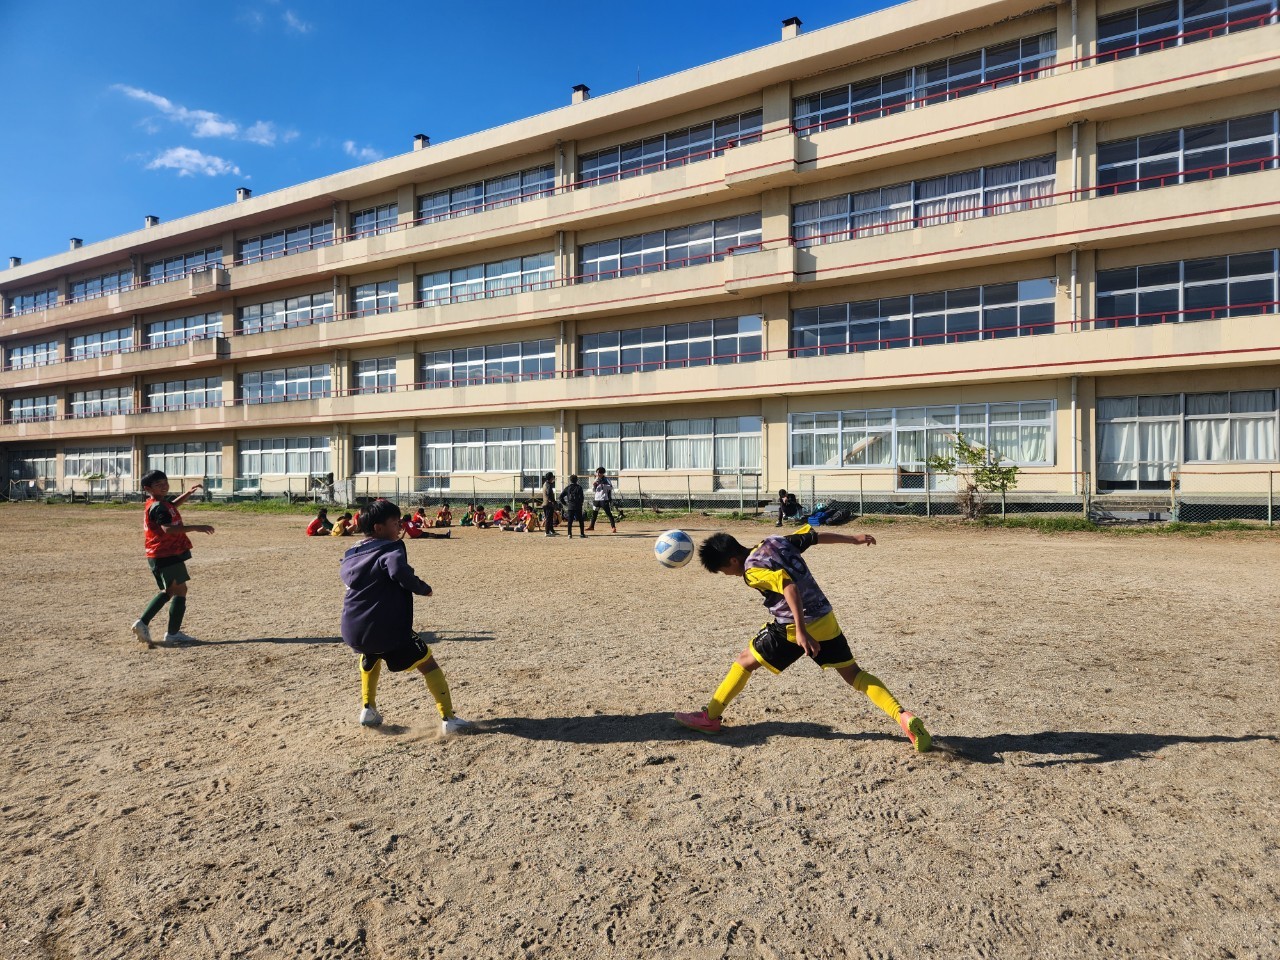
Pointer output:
1108, 783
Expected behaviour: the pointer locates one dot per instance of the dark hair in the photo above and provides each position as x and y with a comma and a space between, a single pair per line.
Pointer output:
345, 516
718, 549
324, 512
406, 518
548, 476
152, 477
373, 514
782, 493
573, 478
599, 469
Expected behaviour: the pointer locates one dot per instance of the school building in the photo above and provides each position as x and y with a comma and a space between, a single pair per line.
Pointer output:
1053, 228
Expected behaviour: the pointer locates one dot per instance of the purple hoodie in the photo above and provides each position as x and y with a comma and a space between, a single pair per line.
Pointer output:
377, 612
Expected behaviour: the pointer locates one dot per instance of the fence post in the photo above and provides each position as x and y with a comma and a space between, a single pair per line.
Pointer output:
688, 492
473, 489
861, 511
1173, 494
639, 494
741, 504
1271, 486
1003, 504
928, 494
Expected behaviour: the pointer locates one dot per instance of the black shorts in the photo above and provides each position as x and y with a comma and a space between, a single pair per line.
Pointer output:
168, 572
405, 656
772, 648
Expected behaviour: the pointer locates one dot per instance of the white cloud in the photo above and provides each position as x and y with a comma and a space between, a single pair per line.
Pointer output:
189, 162
263, 132
203, 123
364, 154
296, 24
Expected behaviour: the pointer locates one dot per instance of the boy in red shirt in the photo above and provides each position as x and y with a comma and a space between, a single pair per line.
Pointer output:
168, 550
320, 526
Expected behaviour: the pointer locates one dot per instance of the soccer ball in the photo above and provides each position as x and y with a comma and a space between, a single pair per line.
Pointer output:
674, 548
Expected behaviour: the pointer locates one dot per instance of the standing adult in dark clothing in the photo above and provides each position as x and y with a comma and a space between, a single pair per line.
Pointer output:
549, 503
571, 498
602, 499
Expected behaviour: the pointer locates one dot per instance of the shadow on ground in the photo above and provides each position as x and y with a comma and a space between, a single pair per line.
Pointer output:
660, 727
1059, 747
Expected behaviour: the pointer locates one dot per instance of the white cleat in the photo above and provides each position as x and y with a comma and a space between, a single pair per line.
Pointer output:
142, 632
370, 717
179, 639
454, 725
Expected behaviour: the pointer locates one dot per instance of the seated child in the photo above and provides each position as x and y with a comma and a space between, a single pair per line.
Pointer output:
522, 518
479, 517
444, 516
502, 518
412, 527
345, 527
535, 518
468, 518
321, 526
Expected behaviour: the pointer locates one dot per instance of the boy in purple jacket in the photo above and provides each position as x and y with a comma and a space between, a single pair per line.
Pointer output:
377, 614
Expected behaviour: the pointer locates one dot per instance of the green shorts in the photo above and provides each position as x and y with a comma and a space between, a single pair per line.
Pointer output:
169, 574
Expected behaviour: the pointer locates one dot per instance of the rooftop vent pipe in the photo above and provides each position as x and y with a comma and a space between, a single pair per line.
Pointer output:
76, 243
581, 92
15, 262
243, 193
791, 27
421, 141
151, 221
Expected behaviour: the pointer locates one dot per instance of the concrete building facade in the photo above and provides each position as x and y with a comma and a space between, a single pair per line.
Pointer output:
1050, 228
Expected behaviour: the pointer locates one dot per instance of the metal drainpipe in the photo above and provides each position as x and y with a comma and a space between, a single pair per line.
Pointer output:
1075, 474
1075, 159
1075, 38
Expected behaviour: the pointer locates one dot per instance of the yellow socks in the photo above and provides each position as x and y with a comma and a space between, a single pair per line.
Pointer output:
369, 682
729, 688
881, 697
439, 688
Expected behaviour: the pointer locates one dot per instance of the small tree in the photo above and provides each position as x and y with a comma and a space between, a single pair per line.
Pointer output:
978, 471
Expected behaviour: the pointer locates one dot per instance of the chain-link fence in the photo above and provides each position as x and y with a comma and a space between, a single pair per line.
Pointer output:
926, 493
1203, 496
687, 493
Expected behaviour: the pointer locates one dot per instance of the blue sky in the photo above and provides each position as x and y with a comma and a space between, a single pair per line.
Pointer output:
111, 112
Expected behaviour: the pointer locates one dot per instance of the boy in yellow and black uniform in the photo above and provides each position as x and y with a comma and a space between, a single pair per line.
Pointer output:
804, 624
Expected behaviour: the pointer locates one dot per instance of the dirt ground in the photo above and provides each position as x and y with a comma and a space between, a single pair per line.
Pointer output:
1107, 708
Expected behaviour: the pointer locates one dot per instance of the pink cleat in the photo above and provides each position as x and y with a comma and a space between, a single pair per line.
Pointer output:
699, 721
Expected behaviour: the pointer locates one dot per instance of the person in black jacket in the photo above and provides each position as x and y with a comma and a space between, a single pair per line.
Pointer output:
571, 498
377, 614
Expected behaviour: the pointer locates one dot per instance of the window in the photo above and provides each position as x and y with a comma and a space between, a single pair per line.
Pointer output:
102, 402
286, 383
284, 456
674, 149
375, 220
711, 444
1222, 149
1243, 284
101, 344
282, 243
202, 459
697, 344
33, 355
959, 76
504, 449
985, 192
989, 312
498, 279
906, 437
281, 314
487, 194
1173, 22
31, 302
496, 363
111, 462
40, 466
171, 333
177, 267
669, 249
375, 453
1237, 426
376, 376
91, 288
184, 394
371, 298
33, 408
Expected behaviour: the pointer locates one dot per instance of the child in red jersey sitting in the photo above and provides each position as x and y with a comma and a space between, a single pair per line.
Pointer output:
168, 550
444, 516
478, 517
502, 519
413, 529
320, 526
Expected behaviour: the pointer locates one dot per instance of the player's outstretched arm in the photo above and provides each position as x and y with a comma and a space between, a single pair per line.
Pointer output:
180, 500
857, 539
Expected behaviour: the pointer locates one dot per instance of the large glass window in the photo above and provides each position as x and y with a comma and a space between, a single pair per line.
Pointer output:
202, 458
171, 333
110, 462
33, 408
669, 249
906, 437
282, 243
376, 376
40, 466
102, 402
33, 355
1242, 284
101, 344
31, 302
91, 288
988, 312
958, 76
696, 344
184, 394
498, 279
711, 444
382, 219
286, 383
487, 194
371, 298
1221, 149
1171, 23
1237, 426
675, 149
375, 453
526, 450
495, 363
985, 192
182, 264
284, 456
282, 314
